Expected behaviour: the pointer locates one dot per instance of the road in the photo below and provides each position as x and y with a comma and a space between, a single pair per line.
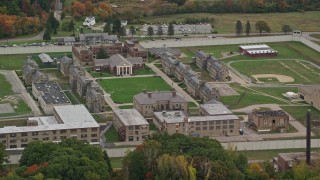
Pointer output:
172, 83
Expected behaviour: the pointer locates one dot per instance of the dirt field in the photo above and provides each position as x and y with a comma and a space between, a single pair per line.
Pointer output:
281, 78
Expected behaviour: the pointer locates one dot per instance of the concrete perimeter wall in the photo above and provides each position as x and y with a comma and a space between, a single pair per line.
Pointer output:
269, 145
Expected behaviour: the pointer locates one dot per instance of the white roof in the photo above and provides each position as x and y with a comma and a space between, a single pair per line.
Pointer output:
170, 116
130, 117
216, 109
71, 114
261, 51
73, 117
45, 58
254, 46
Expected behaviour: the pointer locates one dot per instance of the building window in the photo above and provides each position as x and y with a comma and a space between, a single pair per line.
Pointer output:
204, 123
225, 122
137, 132
231, 121
197, 123
35, 134
218, 127
24, 134
93, 135
45, 133
204, 128
94, 129
83, 135
130, 127
13, 135
83, 130
2, 135
231, 126
198, 128
94, 140
35, 139
73, 131
211, 123
130, 138
137, 127
45, 139
24, 140
24, 145
211, 127
13, 146
225, 127
54, 132
63, 131
13, 141
218, 122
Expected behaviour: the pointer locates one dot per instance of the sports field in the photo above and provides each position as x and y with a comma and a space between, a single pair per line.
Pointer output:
301, 72
122, 90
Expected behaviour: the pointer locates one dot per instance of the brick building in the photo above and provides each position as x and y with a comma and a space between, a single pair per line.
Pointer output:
266, 121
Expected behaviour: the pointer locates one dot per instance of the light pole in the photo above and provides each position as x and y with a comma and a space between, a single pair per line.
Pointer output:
78, 35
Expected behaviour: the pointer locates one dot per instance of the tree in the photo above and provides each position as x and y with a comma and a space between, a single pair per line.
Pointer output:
70, 159
123, 31
160, 31
262, 26
132, 30
150, 31
178, 2
107, 159
242, 162
71, 26
116, 27
302, 171
4, 158
286, 29
53, 21
239, 28
134, 165
102, 53
171, 167
170, 30
47, 35
255, 171
107, 28
248, 28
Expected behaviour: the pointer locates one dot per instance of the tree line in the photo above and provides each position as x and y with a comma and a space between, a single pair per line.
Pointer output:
237, 6
260, 26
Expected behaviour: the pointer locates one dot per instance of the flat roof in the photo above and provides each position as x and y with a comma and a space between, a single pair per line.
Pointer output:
213, 118
52, 93
215, 108
45, 58
130, 117
170, 116
73, 114
298, 156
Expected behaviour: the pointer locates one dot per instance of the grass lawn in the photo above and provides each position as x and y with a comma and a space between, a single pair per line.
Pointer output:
224, 22
99, 118
5, 86
62, 80
300, 114
269, 80
277, 91
247, 99
71, 97
269, 154
287, 50
302, 72
111, 135
96, 74
192, 105
22, 108
122, 90
22, 122
126, 107
145, 71
15, 61
116, 162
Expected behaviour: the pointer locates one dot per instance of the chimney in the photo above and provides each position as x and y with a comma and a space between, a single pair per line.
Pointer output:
144, 91
308, 160
174, 93
149, 94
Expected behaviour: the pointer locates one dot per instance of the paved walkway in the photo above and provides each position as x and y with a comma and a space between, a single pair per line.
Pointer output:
173, 84
120, 77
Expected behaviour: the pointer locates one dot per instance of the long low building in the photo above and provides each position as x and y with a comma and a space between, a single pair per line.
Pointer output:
254, 50
70, 121
130, 125
203, 126
310, 94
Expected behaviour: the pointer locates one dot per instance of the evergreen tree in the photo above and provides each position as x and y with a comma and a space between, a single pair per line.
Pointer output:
150, 31
132, 30
47, 35
262, 26
170, 30
102, 53
107, 159
286, 29
116, 27
160, 30
248, 28
107, 28
239, 28
71, 26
